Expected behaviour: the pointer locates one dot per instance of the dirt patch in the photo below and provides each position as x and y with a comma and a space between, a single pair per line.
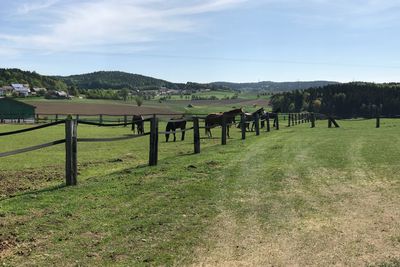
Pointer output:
12, 182
95, 109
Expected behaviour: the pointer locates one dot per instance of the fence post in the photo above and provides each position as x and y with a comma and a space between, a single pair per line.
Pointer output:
277, 121
223, 132
378, 120
153, 157
71, 164
37, 118
268, 122
101, 118
125, 120
243, 125
312, 120
56, 117
196, 135
257, 122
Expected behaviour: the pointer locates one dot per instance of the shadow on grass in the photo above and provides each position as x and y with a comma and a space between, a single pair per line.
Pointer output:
35, 192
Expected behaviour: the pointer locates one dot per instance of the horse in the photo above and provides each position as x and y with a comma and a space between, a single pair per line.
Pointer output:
215, 119
251, 117
173, 125
138, 121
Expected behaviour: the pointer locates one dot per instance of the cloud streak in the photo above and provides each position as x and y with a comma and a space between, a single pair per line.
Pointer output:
99, 24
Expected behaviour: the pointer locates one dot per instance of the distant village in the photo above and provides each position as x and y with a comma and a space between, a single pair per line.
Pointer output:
24, 90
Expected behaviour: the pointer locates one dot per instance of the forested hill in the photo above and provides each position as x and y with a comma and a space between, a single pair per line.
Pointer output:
115, 80
274, 86
343, 100
9, 76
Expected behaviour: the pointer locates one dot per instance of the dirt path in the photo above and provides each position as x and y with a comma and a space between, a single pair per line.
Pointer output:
330, 220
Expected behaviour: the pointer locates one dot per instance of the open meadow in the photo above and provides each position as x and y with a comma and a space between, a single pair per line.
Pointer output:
248, 101
297, 196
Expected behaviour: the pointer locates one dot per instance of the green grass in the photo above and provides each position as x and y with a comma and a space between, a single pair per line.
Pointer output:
320, 196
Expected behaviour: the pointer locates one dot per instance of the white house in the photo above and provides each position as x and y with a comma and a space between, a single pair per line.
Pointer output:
21, 89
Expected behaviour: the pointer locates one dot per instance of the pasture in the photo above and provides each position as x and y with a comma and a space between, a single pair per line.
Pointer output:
248, 101
295, 196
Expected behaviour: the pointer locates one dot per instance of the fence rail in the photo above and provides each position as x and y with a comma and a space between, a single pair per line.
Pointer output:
71, 138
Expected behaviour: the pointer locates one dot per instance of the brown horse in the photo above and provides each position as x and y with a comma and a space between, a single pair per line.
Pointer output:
215, 119
138, 121
173, 125
251, 117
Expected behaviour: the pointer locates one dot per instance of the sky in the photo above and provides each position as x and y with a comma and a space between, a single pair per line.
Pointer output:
205, 40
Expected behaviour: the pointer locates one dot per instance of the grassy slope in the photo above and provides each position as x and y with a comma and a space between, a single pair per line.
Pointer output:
307, 196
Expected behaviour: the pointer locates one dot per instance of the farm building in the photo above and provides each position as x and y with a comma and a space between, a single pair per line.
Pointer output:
11, 109
21, 89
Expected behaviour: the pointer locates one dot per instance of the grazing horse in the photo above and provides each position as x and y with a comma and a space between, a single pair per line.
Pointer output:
251, 117
173, 125
138, 121
215, 119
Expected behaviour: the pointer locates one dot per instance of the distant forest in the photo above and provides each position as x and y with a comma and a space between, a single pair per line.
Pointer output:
117, 80
347, 100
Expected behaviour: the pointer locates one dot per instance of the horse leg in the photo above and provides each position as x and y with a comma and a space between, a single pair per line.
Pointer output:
166, 138
183, 134
227, 131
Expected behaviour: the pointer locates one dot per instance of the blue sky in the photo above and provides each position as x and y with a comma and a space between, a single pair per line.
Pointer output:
205, 40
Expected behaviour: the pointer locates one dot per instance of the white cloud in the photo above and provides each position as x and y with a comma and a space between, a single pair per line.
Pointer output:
90, 24
29, 7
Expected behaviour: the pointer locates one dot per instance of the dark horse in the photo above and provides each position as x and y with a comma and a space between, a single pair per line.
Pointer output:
138, 121
251, 117
172, 125
215, 119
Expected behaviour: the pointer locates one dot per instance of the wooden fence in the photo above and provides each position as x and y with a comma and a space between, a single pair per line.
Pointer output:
71, 137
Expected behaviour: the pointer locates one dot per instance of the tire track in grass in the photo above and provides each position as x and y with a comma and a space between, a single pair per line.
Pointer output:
237, 237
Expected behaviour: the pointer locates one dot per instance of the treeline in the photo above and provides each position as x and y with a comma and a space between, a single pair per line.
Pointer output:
268, 86
9, 76
115, 80
347, 100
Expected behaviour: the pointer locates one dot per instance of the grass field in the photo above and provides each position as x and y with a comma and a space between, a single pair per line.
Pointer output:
297, 196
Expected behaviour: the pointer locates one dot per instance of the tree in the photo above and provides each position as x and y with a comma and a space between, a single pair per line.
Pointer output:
139, 101
124, 93
72, 90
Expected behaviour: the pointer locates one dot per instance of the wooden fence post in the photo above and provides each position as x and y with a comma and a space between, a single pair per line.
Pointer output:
196, 135
101, 118
312, 120
37, 118
125, 120
56, 117
378, 120
277, 121
223, 131
257, 122
268, 124
71, 150
243, 125
153, 156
